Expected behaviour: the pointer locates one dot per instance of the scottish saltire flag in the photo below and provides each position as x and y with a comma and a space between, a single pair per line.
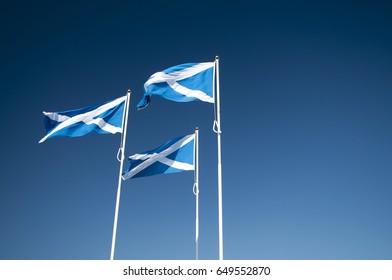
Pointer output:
182, 83
104, 119
176, 155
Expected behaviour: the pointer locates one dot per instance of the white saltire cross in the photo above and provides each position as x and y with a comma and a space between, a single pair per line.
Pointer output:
172, 78
87, 118
150, 159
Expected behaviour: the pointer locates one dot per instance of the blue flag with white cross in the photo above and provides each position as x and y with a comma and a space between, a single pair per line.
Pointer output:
103, 118
181, 83
176, 155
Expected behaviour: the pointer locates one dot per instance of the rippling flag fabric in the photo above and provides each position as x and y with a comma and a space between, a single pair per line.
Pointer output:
104, 118
182, 83
176, 155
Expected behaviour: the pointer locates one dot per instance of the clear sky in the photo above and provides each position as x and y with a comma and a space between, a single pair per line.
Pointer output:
306, 98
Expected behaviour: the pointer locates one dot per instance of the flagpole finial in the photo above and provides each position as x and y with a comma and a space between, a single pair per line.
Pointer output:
129, 91
197, 128
217, 57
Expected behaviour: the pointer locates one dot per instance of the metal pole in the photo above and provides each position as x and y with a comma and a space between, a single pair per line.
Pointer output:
121, 153
218, 124
196, 189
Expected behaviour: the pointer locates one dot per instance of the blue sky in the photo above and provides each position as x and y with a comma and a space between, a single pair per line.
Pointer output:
306, 95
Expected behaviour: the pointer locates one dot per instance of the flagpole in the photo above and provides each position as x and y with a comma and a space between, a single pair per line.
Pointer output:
121, 159
218, 131
196, 188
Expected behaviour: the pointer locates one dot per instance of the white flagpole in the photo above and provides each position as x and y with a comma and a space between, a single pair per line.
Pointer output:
196, 188
121, 159
217, 129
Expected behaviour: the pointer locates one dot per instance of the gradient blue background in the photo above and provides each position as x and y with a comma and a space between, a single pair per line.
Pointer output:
306, 97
